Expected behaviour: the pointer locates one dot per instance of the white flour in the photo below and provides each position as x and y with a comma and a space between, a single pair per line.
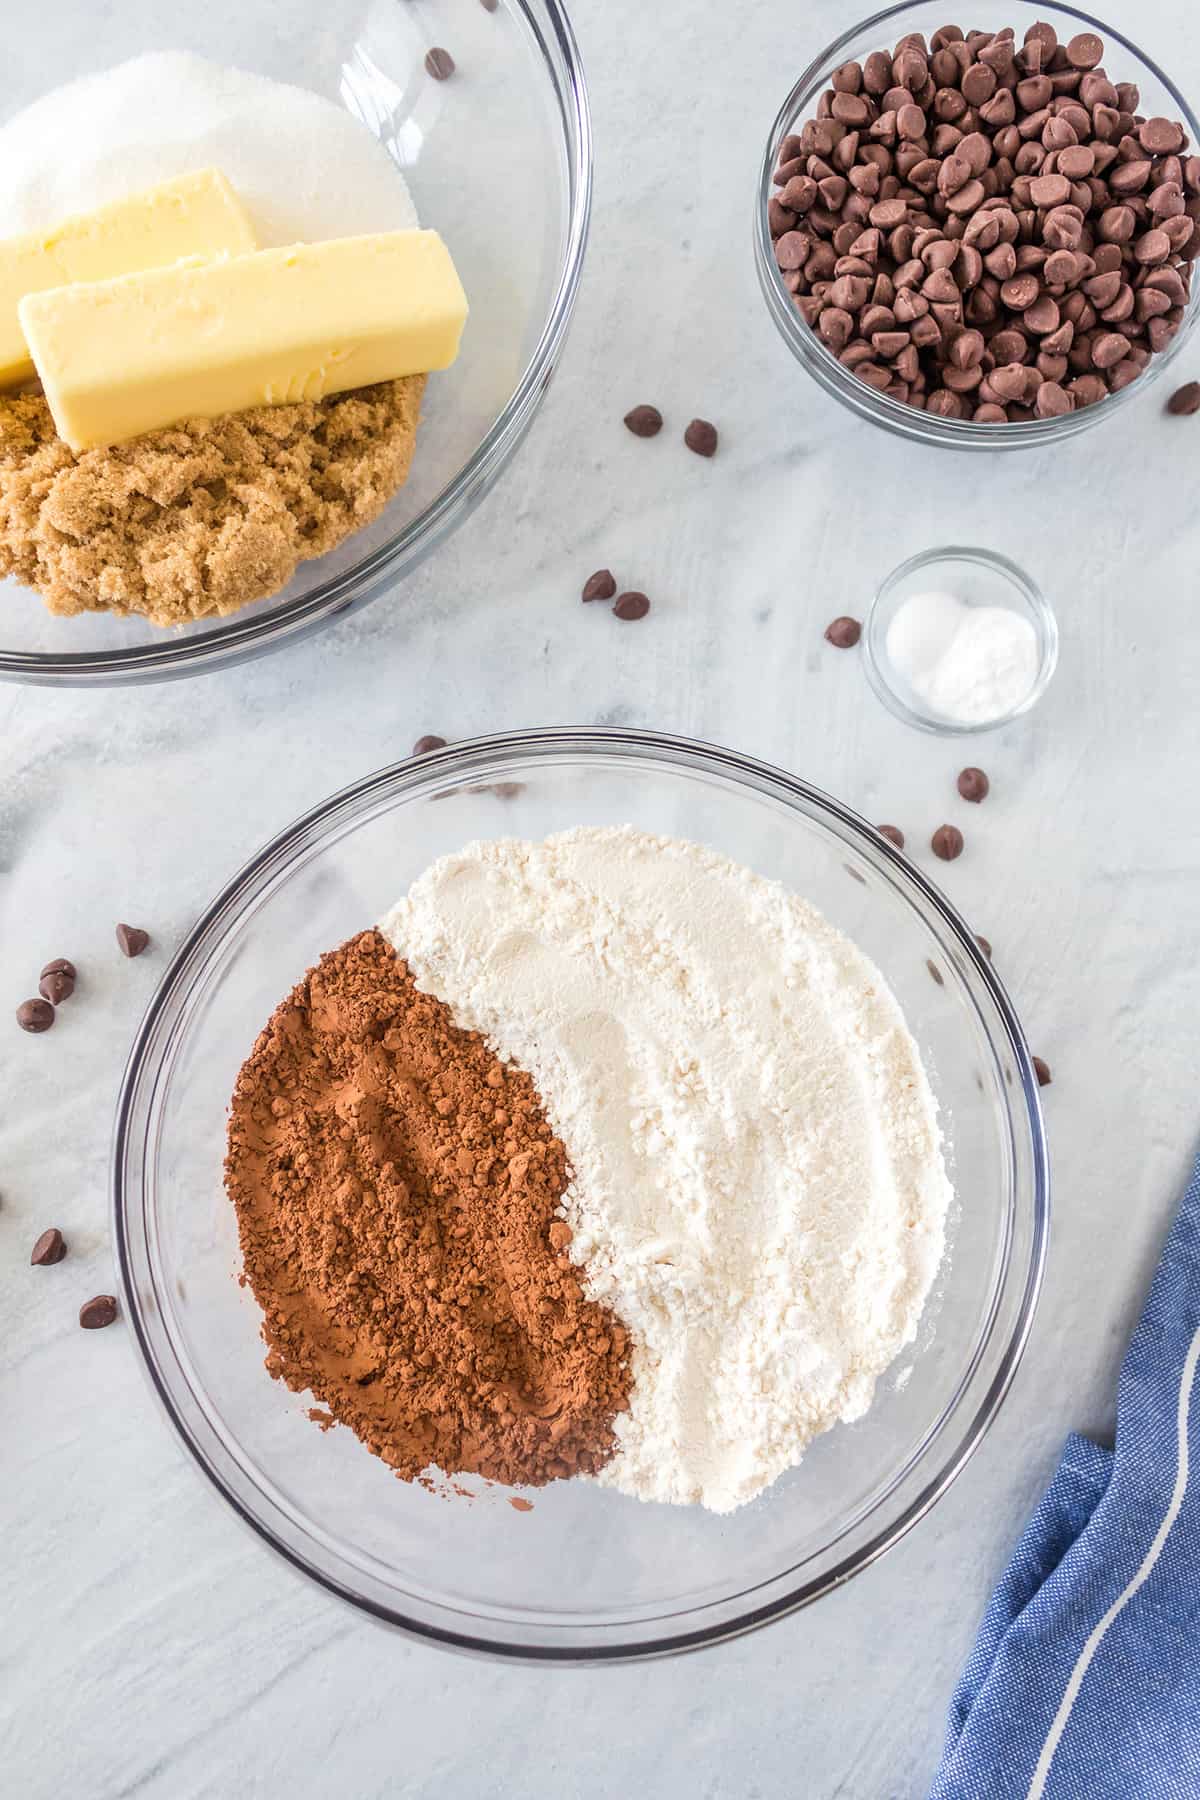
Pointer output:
758, 1188
304, 167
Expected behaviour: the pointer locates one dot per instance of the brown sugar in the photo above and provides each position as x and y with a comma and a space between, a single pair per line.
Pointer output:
205, 517
397, 1188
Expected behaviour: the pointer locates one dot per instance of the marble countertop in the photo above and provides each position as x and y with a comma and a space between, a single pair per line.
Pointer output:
151, 1647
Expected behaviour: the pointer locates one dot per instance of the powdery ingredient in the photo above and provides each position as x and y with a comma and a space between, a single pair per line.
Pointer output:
757, 1186
396, 1192
204, 517
967, 663
303, 165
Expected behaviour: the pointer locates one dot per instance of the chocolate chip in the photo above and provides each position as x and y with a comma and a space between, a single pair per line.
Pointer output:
57, 982
35, 1015
893, 834
644, 421
843, 633
131, 939
941, 225
1085, 51
429, 742
98, 1312
984, 946
51, 1247
973, 785
439, 63
1042, 1071
631, 606
600, 586
1185, 400
701, 437
947, 842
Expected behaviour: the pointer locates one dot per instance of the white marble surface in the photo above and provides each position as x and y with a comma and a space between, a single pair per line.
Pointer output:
150, 1646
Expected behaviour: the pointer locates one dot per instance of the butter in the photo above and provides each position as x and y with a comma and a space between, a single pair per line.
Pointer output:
124, 357
196, 215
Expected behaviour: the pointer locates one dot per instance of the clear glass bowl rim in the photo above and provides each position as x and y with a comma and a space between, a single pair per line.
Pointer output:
239, 639
908, 421
509, 753
1046, 625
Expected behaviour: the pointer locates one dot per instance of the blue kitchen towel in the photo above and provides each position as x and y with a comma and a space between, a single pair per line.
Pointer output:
1084, 1683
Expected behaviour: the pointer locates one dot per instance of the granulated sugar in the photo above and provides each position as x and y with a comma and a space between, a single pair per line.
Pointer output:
305, 168
757, 1184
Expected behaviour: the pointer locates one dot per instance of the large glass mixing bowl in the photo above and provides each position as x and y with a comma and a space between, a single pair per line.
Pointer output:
588, 1574
498, 159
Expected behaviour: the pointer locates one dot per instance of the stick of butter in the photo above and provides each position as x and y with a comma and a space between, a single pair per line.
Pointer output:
195, 215
120, 358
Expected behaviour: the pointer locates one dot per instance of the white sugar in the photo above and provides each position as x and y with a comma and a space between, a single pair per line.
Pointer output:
305, 167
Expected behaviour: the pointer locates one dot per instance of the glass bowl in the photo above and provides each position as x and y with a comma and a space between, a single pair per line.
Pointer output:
519, 88
1159, 95
588, 1574
980, 578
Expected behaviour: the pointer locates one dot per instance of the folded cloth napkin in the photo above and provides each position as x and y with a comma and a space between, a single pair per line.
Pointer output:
1084, 1683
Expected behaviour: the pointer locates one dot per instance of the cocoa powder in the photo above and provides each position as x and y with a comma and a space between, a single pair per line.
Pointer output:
397, 1187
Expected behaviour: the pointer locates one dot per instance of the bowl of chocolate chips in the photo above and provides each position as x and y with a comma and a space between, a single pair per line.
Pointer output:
982, 238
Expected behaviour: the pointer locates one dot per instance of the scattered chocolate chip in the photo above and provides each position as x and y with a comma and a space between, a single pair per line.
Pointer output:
424, 745
439, 63
1042, 1071
893, 834
843, 633
98, 1312
644, 421
1185, 400
600, 586
57, 982
632, 606
51, 1247
947, 842
61, 966
35, 1015
701, 437
131, 939
973, 785
984, 946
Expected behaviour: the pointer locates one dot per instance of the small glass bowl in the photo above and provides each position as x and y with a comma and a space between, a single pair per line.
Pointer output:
1159, 95
981, 578
519, 88
590, 1575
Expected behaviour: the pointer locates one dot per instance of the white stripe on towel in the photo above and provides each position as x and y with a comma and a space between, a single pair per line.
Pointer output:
1037, 1786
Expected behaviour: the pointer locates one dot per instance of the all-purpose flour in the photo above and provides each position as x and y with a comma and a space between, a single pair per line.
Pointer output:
758, 1187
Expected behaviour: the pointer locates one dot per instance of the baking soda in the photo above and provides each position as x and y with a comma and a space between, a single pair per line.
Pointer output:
969, 664
305, 168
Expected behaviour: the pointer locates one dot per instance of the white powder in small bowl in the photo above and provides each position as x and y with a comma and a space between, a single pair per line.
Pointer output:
968, 664
303, 165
